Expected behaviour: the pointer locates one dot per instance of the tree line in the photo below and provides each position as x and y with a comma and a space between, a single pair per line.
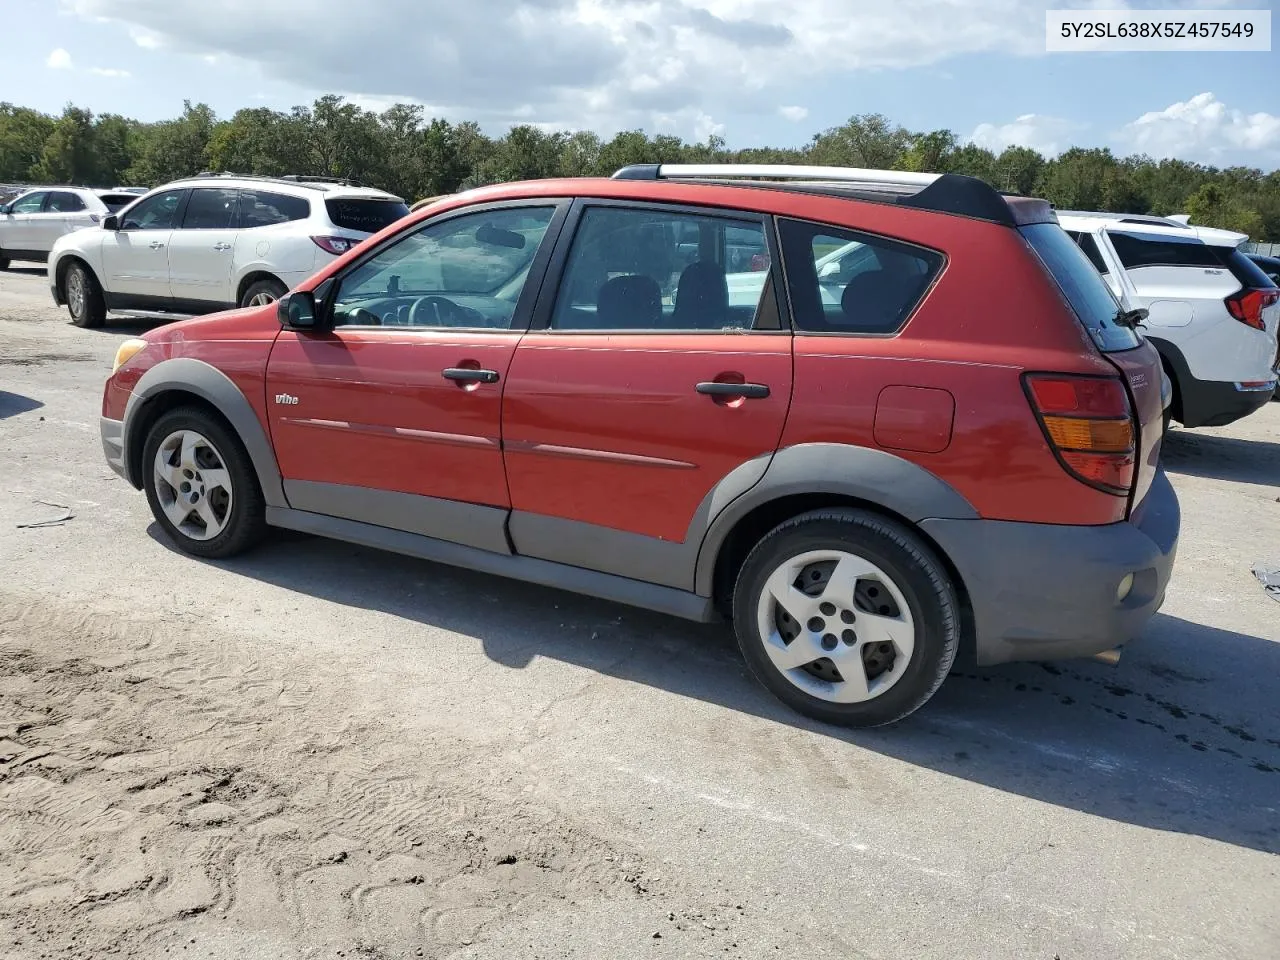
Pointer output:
413, 155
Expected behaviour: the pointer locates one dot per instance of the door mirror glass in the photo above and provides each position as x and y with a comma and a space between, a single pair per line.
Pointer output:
111, 222
297, 310
4, 208
830, 270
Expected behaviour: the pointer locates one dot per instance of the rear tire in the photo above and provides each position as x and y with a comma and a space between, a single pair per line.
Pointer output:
84, 297
4, 263
869, 621
201, 485
263, 292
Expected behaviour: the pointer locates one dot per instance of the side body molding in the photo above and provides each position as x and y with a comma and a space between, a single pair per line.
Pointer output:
212, 385
865, 473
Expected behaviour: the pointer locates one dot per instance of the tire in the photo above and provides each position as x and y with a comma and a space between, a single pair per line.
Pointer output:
84, 297
891, 587
229, 494
264, 291
4, 263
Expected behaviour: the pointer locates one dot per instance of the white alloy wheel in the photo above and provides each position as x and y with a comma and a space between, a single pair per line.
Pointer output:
193, 485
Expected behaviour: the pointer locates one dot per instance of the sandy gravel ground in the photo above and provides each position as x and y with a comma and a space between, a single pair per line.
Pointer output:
324, 751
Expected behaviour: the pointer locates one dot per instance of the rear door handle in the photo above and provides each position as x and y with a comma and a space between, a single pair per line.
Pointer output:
222, 246
469, 375
156, 245
752, 391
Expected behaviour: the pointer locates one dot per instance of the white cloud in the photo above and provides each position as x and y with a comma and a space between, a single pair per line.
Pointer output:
1049, 135
59, 60
1202, 128
794, 114
146, 39
109, 72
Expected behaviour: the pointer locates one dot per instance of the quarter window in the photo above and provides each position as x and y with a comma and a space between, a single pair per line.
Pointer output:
211, 209
261, 208
31, 203
847, 282
466, 271
154, 213
634, 269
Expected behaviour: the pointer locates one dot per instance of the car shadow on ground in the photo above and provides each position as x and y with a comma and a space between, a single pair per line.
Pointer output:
13, 404
28, 269
1221, 458
1182, 736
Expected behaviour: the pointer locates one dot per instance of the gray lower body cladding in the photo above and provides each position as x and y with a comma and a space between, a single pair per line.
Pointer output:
112, 433
1043, 591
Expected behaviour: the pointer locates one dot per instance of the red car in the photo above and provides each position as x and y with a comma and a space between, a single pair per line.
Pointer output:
924, 424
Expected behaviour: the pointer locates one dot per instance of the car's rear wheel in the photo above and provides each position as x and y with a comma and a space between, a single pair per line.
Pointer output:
847, 617
262, 292
85, 302
4, 263
201, 485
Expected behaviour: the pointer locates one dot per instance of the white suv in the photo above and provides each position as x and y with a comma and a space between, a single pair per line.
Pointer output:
1213, 314
34, 219
213, 242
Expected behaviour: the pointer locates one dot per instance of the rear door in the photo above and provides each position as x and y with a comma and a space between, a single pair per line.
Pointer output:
200, 249
63, 212
643, 384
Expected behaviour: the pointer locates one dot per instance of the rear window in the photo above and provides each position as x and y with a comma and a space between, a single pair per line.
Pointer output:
363, 214
1146, 250
117, 201
1085, 290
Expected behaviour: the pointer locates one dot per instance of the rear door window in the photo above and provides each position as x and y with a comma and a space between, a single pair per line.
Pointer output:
842, 281
211, 208
63, 201
1085, 290
262, 208
367, 215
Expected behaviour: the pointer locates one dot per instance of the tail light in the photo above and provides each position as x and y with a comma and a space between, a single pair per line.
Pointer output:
1247, 305
1090, 427
335, 245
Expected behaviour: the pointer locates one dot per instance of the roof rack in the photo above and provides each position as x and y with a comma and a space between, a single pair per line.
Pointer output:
302, 180
940, 192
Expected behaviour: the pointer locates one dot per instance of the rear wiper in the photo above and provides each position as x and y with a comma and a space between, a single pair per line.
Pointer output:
1132, 318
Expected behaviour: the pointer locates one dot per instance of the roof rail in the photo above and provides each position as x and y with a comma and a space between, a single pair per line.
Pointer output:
300, 179
939, 192
778, 171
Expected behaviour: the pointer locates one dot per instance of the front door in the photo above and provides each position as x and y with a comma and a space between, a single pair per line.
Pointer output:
20, 226
200, 250
393, 417
652, 375
135, 257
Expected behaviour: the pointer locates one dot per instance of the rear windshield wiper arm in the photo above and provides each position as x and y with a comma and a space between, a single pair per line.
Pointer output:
1132, 318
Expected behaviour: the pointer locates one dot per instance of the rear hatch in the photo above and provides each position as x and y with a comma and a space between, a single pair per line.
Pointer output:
364, 215
1100, 313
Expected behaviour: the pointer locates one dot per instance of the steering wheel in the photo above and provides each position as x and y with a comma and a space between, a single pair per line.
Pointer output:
360, 317
434, 311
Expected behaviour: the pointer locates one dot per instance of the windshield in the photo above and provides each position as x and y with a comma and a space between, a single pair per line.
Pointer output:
366, 215
1085, 290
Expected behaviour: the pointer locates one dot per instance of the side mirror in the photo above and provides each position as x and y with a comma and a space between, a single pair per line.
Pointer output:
829, 270
111, 222
297, 311
4, 208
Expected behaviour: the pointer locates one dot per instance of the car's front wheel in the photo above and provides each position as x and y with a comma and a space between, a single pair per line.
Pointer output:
201, 485
85, 302
847, 617
262, 292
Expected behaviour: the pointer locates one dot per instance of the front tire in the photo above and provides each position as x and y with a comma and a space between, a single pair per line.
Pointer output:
201, 485
847, 617
85, 302
263, 292
4, 263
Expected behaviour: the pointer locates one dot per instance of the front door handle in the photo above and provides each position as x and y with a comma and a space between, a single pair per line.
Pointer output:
156, 245
222, 246
469, 375
752, 391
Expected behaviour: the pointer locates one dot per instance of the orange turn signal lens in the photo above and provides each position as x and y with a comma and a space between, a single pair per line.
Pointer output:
1095, 436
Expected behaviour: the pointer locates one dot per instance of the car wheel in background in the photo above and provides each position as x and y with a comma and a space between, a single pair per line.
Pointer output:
84, 297
4, 263
201, 485
262, 292
847, 617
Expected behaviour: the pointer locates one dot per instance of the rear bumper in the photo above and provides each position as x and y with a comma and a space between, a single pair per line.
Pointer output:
112, 432
1209, 403
1045, 592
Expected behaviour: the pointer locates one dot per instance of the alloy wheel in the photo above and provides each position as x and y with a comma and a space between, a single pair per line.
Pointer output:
193, 485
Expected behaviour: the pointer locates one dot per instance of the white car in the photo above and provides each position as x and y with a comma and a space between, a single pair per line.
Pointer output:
32, 221
213, 242
1212, 313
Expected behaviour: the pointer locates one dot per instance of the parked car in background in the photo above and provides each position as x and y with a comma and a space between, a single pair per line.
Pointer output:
536, 380
1212, 312
213, 241
1269, 265
32, 221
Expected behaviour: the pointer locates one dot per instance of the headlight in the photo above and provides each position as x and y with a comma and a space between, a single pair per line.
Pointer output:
126, 351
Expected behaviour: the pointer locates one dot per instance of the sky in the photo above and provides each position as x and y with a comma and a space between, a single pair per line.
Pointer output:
755, 72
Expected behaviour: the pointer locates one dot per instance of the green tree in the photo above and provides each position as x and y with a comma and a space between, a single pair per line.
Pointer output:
1213, 206
1017, 170
23, 134
69, 154
867, 140
174, 148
